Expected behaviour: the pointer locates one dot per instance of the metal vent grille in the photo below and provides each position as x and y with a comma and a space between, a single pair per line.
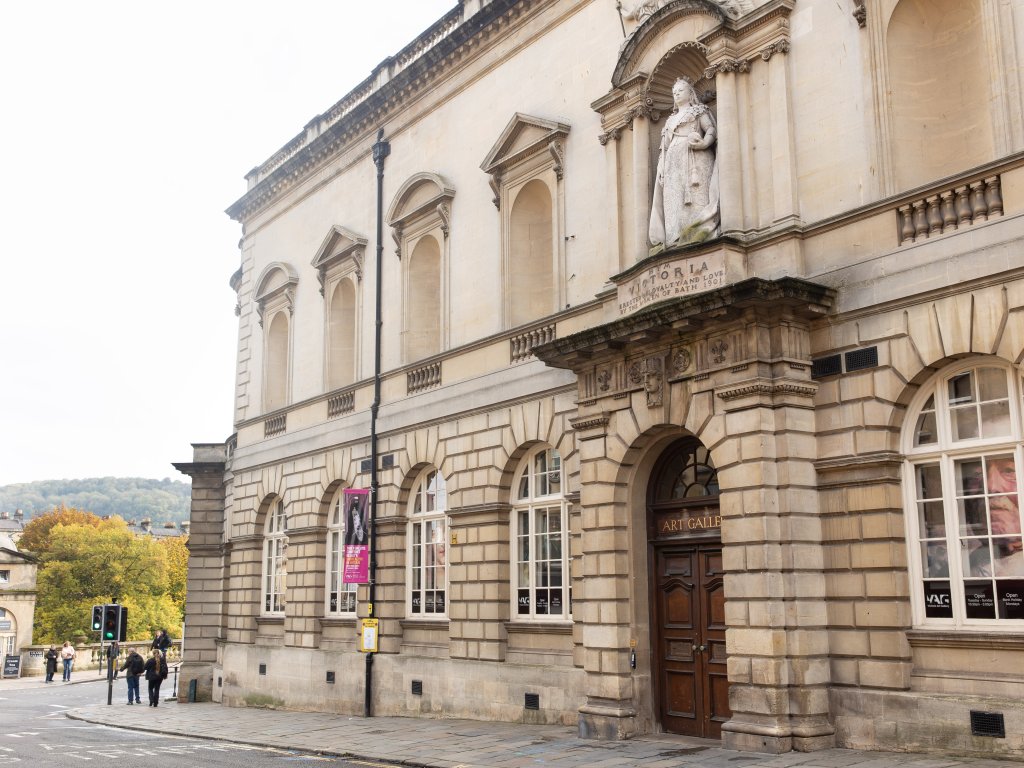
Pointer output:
826, 366
330, 677
263, 669
220, 682
532, 701
859, 359
988, 724
417, 687
364, 466
386, 462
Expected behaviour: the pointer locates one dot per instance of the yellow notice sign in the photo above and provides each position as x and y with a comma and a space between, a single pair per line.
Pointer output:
368, 636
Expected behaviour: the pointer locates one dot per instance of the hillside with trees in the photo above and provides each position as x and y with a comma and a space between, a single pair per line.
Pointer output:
131, 498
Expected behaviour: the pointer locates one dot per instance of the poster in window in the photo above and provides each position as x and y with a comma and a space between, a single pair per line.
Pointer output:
1011, 598
938, 600
356, 566
979, 599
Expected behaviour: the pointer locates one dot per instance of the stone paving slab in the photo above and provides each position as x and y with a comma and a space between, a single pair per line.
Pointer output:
431, 743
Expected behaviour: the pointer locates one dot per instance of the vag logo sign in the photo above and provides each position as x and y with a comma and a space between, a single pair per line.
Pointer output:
938, 600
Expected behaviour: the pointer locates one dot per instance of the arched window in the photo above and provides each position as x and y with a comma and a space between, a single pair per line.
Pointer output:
531, 260
275, 559
423, 314
428, 555
542, 587
341, 332
341, 598
9, 632
685, 474
963, 462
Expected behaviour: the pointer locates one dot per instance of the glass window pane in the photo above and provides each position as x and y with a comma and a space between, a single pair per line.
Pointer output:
524, 486
929, 481
969, 478
961, 388
995, 419
935, 559
965, 423
992, 384
933, 520
926, 431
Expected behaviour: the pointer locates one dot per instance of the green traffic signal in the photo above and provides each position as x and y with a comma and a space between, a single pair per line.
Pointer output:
111, 614
97, 618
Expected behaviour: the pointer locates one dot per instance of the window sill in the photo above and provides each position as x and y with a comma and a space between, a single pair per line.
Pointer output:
966, 638
431, 623
339, 620
269, 621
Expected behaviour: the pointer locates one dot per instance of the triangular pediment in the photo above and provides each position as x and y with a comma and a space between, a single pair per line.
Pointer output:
523, 136
338, 243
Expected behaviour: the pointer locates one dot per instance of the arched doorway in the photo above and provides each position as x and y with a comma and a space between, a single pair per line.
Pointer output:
687, 595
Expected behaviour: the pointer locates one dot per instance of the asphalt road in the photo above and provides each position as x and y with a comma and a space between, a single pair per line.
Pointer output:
34, 732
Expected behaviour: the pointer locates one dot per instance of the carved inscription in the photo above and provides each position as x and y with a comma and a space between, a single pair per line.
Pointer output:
680, 277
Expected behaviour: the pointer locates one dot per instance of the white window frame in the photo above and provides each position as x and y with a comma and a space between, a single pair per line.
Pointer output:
428, 547
5, 576
340, 597
538, 506
275, 561
934, 412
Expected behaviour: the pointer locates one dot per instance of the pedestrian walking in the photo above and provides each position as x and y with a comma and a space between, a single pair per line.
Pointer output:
156, 673
67, 655
162, 642
51, 657
134, 666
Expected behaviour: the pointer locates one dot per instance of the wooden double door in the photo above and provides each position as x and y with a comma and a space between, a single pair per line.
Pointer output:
688, 636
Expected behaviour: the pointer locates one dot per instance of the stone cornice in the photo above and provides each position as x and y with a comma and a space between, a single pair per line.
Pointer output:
760, 34
799, 297
769, 388
596, 421
343, 125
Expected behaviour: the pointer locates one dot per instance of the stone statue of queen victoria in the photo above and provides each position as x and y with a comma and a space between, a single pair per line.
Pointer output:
684, 208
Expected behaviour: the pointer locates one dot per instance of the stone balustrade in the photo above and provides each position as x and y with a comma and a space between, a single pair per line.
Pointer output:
423, 378
275, 425
950, 209
521, 346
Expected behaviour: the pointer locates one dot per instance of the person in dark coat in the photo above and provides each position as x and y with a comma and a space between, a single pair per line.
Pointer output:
52, 657
162, 642
134, 666
156, 672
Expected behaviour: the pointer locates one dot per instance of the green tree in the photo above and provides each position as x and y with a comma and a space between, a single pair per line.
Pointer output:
176, 552
86, 564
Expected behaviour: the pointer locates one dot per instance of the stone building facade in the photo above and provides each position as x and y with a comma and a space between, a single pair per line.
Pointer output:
757, 484
17, 597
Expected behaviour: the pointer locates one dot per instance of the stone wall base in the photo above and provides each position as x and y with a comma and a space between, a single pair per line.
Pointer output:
297, 678
607, 721
202, 673
910, 721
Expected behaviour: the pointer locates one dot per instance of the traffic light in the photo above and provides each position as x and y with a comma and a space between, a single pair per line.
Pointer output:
122, 625
97, 618
111, 615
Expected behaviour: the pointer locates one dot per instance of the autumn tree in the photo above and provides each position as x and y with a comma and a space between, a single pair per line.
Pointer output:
83, 564
35, 537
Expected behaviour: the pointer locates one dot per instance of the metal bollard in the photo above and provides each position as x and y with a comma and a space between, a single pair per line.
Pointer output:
174, 693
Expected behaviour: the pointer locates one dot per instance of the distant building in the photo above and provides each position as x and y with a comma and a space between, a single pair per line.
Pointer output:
167, 530
12, 524
17, 596
701, 405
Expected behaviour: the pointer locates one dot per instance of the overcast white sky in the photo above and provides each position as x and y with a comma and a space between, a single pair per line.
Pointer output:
127, 129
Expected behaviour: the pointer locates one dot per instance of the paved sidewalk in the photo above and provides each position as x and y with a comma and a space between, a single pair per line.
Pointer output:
471, 744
